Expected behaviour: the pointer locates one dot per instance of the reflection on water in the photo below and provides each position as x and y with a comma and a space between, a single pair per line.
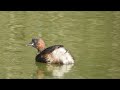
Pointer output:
56, 71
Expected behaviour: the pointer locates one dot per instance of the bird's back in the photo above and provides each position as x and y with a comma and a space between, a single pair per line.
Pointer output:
55, 54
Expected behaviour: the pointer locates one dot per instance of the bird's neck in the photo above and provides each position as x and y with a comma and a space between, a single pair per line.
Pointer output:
41, 46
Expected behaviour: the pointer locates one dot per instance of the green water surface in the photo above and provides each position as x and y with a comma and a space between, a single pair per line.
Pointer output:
92, 37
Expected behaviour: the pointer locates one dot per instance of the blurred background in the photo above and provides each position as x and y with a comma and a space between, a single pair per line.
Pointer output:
92, 37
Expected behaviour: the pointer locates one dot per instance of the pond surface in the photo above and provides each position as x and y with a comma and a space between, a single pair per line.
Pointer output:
92, 37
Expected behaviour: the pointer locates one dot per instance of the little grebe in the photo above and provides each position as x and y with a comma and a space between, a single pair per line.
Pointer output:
54, 54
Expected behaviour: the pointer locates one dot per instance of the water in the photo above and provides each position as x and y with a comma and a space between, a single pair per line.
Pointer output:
91, 36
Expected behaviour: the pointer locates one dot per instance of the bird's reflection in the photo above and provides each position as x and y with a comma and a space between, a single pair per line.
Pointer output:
51, 71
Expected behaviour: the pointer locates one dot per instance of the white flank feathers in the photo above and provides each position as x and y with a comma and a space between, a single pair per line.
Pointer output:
63, 56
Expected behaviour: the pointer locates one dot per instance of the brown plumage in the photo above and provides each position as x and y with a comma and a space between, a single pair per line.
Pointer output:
54, 54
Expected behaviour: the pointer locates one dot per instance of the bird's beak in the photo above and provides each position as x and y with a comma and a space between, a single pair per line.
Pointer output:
30, 44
